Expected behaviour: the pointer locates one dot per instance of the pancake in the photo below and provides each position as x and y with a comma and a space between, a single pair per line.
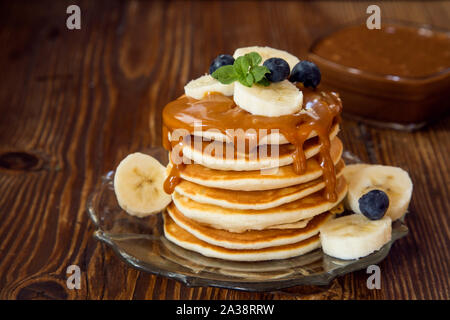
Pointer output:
184, 239
271, 138
256, 180
292, 225
198, 262
204, 154
239, 220
257, 200
251, 239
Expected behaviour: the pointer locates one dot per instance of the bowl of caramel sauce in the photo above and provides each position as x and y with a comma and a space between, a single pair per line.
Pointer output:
397, 76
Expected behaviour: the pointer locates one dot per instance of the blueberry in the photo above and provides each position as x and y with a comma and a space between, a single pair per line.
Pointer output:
374, 204
307, 73
220, 61
279, 69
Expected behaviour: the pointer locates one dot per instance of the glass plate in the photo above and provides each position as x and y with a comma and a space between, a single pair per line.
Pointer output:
140, 242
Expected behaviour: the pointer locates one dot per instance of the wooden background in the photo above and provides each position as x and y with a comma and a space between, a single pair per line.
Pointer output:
74, 103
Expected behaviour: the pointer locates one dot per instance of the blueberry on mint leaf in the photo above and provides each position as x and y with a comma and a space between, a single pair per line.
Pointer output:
307, 73
374, 204
220, 61
279, 69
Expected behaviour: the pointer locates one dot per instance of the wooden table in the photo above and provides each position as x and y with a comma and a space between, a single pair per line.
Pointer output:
74, 103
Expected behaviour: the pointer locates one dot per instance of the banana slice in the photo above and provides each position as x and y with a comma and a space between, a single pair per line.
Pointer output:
394, 181
275, 100
351, 169
354, 236
349, 172
199, 87
138, 184
266, 53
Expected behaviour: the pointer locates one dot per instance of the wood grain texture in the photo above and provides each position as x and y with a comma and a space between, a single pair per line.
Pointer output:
74, 103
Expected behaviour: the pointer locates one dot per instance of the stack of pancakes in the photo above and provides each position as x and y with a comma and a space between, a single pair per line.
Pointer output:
232, 210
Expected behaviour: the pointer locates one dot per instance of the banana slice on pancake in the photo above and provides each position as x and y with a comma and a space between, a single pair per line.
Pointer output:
266, 53
138, 184
277, 99
394, 181
206, 84
354, 236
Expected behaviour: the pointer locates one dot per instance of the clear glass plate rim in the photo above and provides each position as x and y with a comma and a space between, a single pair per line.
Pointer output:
202, 279
256, 286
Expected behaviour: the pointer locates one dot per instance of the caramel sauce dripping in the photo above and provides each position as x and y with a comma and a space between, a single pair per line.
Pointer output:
320, 111
174, 175
173, 178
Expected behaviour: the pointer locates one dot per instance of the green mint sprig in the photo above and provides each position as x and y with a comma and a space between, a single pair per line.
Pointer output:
245, 69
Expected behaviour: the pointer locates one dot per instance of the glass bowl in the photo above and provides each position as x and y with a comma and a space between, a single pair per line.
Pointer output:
378, 98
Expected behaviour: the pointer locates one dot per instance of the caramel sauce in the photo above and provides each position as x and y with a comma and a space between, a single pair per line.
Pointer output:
173, 178
174, 175
218, 112
393, 50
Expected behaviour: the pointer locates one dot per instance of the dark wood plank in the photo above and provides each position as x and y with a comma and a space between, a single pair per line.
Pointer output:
74, 103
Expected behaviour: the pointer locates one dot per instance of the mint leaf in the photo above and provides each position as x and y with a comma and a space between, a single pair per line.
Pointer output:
254, 58
264, 82
258, 72
241, 66
250, 78
247, 80
225, 74
246, 70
